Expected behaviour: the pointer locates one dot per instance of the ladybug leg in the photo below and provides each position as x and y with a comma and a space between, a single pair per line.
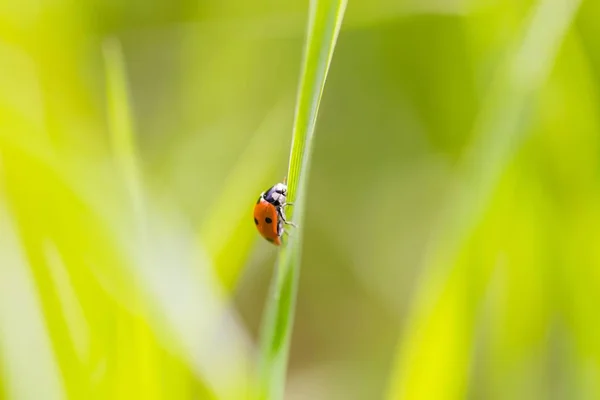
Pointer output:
285, 221
280, 230
288, 232
285, 205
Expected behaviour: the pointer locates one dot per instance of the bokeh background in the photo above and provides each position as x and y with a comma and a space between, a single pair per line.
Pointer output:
451, 236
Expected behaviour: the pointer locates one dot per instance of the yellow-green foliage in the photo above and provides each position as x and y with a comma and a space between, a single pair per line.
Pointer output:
449, 222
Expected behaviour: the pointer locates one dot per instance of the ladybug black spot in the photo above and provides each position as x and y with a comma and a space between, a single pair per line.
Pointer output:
255, 221
268, 220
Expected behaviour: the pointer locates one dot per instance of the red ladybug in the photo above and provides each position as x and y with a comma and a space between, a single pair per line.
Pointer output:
269, 216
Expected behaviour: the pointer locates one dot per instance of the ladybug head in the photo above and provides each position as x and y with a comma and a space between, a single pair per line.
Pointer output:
277, 194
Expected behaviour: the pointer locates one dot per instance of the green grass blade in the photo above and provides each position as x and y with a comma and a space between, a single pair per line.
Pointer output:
325, 19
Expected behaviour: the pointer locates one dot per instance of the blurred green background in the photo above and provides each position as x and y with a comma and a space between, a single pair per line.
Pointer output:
453, 205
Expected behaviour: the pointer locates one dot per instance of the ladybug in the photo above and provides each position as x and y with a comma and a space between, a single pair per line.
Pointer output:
269, 216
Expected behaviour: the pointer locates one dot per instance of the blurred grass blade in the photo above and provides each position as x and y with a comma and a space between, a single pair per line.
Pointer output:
325, 19
31, 370
192, 312
226, 226
188, 283
430, 365
121, 122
